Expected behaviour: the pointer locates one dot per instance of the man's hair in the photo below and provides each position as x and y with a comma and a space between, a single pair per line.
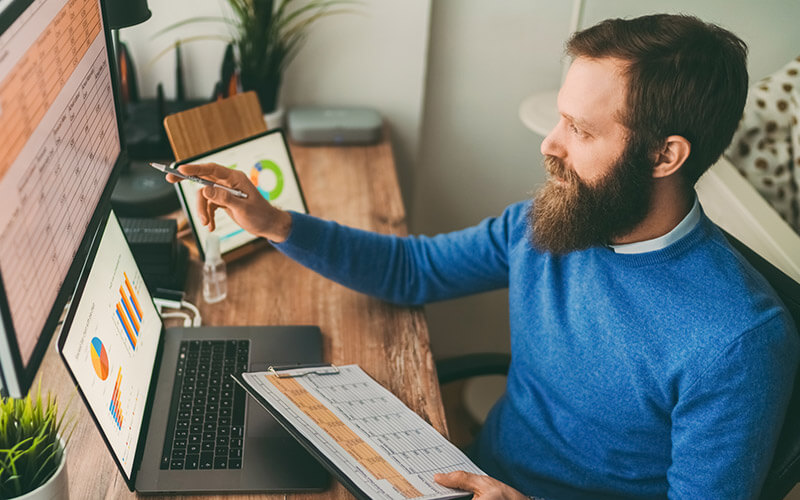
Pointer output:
685, 77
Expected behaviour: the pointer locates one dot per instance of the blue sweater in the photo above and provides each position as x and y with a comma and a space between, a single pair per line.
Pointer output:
651, 375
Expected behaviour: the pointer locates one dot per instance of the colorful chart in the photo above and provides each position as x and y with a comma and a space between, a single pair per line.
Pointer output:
129, 312
256, 178
114, 407
99, 358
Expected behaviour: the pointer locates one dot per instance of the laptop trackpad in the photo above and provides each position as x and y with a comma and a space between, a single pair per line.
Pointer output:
270, 447
260, 423
285, 461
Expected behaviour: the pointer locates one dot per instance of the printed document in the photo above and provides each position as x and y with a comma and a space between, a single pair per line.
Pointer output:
375, 445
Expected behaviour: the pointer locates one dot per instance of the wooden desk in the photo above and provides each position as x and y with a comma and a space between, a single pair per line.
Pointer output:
356, 186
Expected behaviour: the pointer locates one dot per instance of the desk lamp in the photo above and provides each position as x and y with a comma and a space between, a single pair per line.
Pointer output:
140, 191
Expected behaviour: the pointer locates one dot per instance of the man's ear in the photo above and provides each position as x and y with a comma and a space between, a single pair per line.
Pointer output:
672, 156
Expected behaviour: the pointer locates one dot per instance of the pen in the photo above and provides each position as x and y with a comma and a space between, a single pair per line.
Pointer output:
169, 170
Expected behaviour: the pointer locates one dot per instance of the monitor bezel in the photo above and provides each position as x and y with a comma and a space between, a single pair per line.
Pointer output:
18, 383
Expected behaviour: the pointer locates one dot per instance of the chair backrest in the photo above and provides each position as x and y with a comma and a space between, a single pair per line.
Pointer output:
784, 472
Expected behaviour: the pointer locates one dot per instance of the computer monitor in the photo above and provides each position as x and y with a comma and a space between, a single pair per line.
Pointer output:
61, 154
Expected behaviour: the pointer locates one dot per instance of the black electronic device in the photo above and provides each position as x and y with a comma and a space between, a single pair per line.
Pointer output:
141, 191
62, 152
162, 259
145, 386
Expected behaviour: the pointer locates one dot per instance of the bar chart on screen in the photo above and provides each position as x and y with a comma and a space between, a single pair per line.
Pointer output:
58, 125
115, 407
129, 312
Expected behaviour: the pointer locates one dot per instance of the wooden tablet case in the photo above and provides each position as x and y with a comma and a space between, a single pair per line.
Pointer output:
213, 125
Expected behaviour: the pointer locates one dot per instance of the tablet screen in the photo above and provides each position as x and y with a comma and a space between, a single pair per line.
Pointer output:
266, 161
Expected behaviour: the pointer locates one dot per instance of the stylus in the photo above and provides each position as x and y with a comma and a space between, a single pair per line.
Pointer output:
169, 170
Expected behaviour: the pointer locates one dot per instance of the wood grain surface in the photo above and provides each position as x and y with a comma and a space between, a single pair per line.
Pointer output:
356, 186
213, 125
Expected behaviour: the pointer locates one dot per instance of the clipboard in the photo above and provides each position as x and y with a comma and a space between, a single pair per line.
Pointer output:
319, 406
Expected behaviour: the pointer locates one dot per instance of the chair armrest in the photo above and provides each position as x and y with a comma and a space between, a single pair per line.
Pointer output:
472, 365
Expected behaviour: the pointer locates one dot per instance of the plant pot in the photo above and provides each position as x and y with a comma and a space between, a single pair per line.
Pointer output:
274, 119
56, 488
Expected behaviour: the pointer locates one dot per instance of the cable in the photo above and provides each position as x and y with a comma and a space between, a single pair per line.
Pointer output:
198, 320
162, 304
187, 321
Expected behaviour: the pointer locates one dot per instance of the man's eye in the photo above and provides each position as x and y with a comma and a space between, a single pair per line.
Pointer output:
578, 132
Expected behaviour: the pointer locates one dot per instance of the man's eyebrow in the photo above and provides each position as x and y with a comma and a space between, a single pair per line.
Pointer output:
583, 124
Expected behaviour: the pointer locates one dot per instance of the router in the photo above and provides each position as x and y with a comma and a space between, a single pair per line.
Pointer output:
334, 125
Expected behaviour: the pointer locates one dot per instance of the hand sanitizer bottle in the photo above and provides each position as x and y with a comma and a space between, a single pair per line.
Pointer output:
215, 278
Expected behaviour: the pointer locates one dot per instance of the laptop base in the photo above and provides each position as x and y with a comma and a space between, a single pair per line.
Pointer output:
272, 460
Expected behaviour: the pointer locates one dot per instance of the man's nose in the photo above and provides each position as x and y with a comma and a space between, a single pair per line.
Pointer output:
551, 145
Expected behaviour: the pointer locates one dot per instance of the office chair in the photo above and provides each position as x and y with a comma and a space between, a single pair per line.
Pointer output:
784, 472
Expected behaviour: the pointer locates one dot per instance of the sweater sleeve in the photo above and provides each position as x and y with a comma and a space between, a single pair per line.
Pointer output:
412, 270
726, 425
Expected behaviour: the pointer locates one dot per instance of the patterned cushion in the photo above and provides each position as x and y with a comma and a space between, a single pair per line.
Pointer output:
766, 146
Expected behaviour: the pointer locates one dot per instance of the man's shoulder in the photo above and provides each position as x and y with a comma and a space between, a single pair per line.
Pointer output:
732, 295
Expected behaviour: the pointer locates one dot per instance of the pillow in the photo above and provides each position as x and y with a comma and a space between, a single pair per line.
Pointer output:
766, 146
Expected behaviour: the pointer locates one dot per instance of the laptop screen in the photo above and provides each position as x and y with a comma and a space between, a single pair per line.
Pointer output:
110, 341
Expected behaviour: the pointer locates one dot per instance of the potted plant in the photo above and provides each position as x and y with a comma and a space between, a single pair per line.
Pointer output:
266, 35
32, 449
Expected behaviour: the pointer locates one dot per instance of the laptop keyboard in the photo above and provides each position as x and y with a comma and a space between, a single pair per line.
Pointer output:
206, 425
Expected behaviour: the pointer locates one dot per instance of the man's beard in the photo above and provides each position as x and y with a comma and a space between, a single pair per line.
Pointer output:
575, 215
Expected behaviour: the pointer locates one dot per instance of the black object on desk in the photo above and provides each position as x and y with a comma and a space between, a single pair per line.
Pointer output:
162, 260
140, 190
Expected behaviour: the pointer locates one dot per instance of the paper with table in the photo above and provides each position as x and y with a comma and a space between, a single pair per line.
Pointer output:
372, 442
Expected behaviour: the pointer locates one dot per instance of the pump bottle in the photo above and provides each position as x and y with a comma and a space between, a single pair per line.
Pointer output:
215, 278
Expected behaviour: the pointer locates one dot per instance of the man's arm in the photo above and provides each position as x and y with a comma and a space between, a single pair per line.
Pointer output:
726, 423
411, 270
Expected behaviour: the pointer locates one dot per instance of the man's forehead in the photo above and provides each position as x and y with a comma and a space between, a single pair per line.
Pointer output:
594, 91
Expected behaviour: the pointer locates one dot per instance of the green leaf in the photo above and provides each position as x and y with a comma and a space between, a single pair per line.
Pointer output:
30, 447
194, 20
186, 40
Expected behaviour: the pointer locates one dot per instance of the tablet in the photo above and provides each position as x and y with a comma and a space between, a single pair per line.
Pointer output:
265, 159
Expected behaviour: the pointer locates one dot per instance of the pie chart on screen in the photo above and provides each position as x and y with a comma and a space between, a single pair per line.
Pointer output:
99, 358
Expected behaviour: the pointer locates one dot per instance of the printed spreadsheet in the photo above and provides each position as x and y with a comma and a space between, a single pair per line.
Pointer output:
60, 143
385, 448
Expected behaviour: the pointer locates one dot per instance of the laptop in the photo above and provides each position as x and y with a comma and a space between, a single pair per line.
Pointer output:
164, 400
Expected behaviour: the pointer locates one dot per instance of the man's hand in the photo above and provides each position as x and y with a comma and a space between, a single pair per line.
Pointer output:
482, 487
254, 214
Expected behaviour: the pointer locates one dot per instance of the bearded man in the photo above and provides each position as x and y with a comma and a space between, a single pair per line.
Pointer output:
649, 360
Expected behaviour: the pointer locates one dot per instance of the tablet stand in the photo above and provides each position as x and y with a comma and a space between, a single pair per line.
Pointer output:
211, 126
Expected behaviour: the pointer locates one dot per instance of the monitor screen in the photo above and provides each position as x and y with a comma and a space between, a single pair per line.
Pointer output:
61, 144
109, 342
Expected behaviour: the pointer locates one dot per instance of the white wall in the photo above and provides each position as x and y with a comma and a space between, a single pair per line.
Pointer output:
374, 57
476, 156
464, 155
